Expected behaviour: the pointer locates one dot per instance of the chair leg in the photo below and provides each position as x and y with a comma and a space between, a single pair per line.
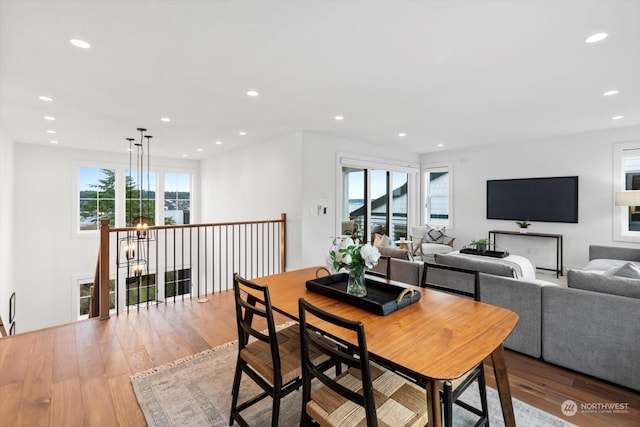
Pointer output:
483, 395
275, 413
447, 403
235, 391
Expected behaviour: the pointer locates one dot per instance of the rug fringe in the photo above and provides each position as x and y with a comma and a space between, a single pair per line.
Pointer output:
185, 359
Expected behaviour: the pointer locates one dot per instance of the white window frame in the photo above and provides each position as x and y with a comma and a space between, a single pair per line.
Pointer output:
425, 197
120, 206
365, 162
621, 232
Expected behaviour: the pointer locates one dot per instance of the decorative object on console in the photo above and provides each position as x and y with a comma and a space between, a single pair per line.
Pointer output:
523, 225
480, 244
350, 255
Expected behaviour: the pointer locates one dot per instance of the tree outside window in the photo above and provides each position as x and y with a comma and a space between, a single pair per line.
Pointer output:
96, 197
140, 202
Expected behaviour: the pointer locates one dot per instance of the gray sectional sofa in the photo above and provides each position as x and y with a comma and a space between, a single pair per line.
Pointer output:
592, 326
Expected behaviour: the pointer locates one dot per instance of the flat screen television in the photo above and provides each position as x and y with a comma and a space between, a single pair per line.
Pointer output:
552, 199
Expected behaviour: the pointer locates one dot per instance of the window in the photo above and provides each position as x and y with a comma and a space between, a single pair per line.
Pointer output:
626, 177
97, 191
85, 298
377, 197
177, 198
141, 289
135, 194
437, 184
177, 282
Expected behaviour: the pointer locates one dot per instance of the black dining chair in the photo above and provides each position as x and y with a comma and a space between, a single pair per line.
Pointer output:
272, 358
465, 283
365, 392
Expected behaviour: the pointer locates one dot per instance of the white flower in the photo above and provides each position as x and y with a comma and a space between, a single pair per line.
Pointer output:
347, 259
370, 255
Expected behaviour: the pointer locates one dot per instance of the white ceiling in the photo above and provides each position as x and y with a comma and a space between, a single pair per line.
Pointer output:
460, 73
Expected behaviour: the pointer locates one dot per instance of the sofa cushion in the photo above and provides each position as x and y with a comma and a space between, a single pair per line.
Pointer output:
435, 248
596, 281
381, 240
476, 263
395, 253
604, 264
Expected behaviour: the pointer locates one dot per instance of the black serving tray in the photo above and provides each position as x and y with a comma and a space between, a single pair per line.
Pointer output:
382, 298
493, 254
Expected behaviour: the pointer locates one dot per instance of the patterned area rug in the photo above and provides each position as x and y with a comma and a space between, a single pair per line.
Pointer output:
196, 391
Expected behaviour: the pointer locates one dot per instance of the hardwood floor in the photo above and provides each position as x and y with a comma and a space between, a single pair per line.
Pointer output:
78, 374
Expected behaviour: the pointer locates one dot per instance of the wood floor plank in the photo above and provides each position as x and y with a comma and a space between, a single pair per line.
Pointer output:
65, 354
16, 357
124, 401
67, 407
97, 402
9, 403
35, 398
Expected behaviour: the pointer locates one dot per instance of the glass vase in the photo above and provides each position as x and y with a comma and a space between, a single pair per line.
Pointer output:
356, 284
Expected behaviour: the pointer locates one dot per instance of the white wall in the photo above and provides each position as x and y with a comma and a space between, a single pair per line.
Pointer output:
48, 254
258, 182
7, 286
588, 155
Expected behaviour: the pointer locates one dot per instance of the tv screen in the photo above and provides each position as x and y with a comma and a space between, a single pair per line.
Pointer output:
534, 199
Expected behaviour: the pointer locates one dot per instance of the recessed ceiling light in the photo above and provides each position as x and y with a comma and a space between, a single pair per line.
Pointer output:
401, 134
242, 133
129, 149
200, 150
617, 117
218, 142
252, 93
594, 38
185, 155
339, 117
80, 43
165, 119
51, 131
53, 142
45, 98
50, 118
440, 145
611, 92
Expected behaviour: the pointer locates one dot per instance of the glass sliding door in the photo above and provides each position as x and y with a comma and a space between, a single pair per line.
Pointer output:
399, 205
376, 200
354, 194
379, 203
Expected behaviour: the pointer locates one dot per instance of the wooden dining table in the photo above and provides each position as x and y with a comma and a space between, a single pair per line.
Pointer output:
440, 337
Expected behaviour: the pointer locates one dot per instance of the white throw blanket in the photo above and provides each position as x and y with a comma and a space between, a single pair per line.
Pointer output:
522, 267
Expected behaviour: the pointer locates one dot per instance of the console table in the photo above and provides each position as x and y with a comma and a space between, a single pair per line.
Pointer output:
557, 237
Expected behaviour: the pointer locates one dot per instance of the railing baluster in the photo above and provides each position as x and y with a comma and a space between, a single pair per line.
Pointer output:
251, 248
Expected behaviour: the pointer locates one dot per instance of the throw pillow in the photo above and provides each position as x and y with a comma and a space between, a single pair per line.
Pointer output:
380, 240
435, 234
625, 270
